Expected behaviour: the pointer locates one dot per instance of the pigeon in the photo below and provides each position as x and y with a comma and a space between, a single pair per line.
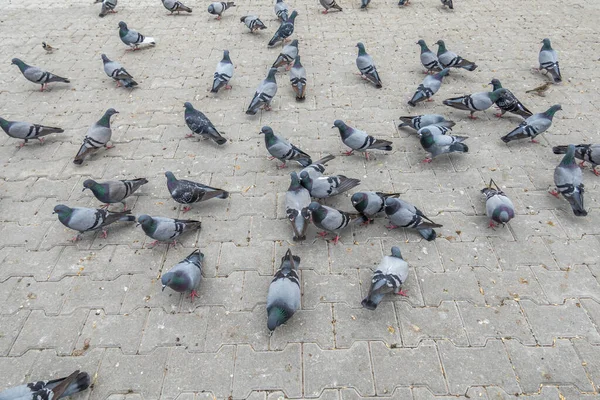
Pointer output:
475, 102
549, 61
188, 192
367, 68
287, 55
430, 85
223, 73
283, 298
253, 23
186, 275
281, 10
218, 8
297, 198
298, 79
389, 277
323, 187
441, 144
541, 90
283, 150
583, 152
317, 168
330, 220
359, 140
108, 6
285, 30
133, 38
98, 135
435, 130
116, 71
419, 121
89, 219
110, 192
49, 49
533, 126
403, 2
26, 131
498, 206
448, 3
49, 390
508, 102
449, 59
364, 3
163, 229
37, 75
264, 94
369, 204
429, 59
569, 182
404, 215
175, 6
329, 4
201, 125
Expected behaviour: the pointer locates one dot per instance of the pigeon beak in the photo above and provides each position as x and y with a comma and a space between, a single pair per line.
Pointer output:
163, 287
83, 190
138, 224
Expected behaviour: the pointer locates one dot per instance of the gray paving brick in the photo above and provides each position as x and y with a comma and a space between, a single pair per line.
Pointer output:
511, 255
573, 252
420, 393
10, 327
498, 287
307, 326
168, 330
38, 264
15, 370
342, 288
235, 327
26, 293
442, 322
352, 324
459, 285
575, 282
455, 255
107, 295
101, 330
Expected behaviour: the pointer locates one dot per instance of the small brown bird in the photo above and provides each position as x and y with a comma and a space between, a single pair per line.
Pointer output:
541, 90
49, 49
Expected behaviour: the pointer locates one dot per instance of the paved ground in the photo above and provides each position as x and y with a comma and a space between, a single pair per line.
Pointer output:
491, 314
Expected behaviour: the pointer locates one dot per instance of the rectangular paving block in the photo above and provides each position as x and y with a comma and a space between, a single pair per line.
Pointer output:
354, 324
501, 286
306, 326
225, 327
577, 281
10, 327
590, 359
101, 330
330, 288
459, 285
442, 322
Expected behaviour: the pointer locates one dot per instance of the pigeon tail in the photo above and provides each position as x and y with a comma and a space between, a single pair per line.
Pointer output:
428, 234
56, 78
459, 147
381, 145
81, 382
82, 153
220, 141
128, 218
457, 102
347, 183
305, 162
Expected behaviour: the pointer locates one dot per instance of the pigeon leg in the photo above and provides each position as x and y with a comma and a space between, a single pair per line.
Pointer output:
186, 209
336, 239
391, 226
218, 17
112, 11
282, 166
322, 234
534, 141
21, 145
492, 225
109, 147
324, 12
367, 155
270, 158
118, 83
267, 107
124, 206
105, 206
471, 116
595, 171
429, 99
41, 139
189, 135
582, 164
402, 293
76, 238
288, 67
104, 234
368, 221
228, 87
499, 115
153, 244
194, 294
348, 153
427, 160
554, 193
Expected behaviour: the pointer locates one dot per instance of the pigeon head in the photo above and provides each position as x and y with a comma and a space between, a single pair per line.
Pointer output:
547, 44
427, 139
391, 206
359, 201
496, 84
104, 58
277, 316
317, 212
569, 158
396, 252
497, 93
170, 177
105, 120
338, 123
175, 280
293, 16
62, 211
295, 181
145, 220
440, 43
440, 75
111, 111
552, 110
3, 123
226, 55
297, 63
89, 184
423, 45
211, 9
306, 181
271, 74
361, 48
294, 43
188, 106
122, 25
266, 130
19, 63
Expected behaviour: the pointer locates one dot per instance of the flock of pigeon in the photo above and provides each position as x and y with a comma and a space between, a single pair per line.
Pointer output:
283, 299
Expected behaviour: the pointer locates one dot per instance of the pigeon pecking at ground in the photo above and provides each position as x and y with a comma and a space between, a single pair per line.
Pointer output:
108, 6
328, 5
475, 102
89, 219
175, 6
283, 298
499, 208
331, 220
98, 135
110, 192
568, 179
218, 8
297, 199
420, 121
369, 204
186, 275
26, 131
389, 277
37, 75
441, 144
49, 390
323, 187
188, 192
253, 23
402, 214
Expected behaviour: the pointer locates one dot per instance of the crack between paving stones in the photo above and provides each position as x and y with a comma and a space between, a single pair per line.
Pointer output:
441, 361
584, 364
517, 379
371, 367
462, 321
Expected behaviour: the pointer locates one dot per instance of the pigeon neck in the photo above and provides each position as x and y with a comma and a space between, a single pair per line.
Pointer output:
226, 58
569, 158
98, 189
427, 140
441, 48
277, 316
105, 120
546, 46
551, 111
424, 48
496, 94
4, 123
297, 63
319, 214
496, 85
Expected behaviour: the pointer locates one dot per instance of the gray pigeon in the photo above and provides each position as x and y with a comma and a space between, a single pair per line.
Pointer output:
283, 150
287, 55
253, 23
328, 5
327, 186
548, 59
449, 59
533, 126
175, 6
133, 38
297, 199
285, 30
403, 2
404, 215
26, 131
569, 182
429, 59
218, 8
366, 66
110, 192
441, 144
264, 94
369, 204
281, 10
359, 140
430, 85
475, 102
201, 125
448, 3
163, 229
419, 121
49, 390
435, 130
283, 298
186, 275
389, 277
508, 102
298, 79
499, 208
37, 75
116, 71
108, 6
331, 220
98, 135
364, 3
188, 192
583, 152
89, 219
223, 73
317, 168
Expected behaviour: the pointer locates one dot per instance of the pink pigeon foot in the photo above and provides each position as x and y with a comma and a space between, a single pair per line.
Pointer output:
282, 166
336, 239
582, 164
472, 117
194, 294
499, 115
109, 147
21, 145
534, 141
104, 206
324, 12
104, 234
491, 225
402, 293
349, 153
596, 172
186, 209
153, 244
189, 135
391, 226
228, 87
267, 108
429, 99
218, 17
367, 156
322, 234
75, 238
555, 193
427, 160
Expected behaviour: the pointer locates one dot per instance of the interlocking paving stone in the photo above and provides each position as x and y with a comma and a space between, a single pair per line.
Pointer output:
353, 324
442, 322
577, 281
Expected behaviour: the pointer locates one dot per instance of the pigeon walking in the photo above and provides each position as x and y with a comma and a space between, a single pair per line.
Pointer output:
108, 6
369, 204
428, 58
297, 199
223, 73
420, 121
404, 215
218, 8
366, 66
359, 140
450, 59
49, 390
499, 208
475, 102
133, 38
110, 192
287, 55
317, 168
175, 6
264, 94
448, 3
199, 124
98, 135
583, 152
298, 79
281, 10
253, 23
441, 144
89, 219
37, 75
430, 85
49, 49
548, 59
389, 277
186, 275
116, 71
283, 150
285, 30
533, 126
330, 220
283, 298
188, 192
508, 102
327, 186
569, 182
26, 131
163, 229
328, 5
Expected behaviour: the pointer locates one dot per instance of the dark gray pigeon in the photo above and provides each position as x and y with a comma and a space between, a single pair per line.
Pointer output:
317, 168
389, 277
404, 215
475, 102
281, 10
369, 204
435, 130
331, 220
133, 38
499, 208
283, 298
430, 85
583, 152
98, 135
89, 219
186, 275
283, 150
569, 182
548, 59
509, 102
218, 8
108, 6
449, 59
49, 390
428, 59
110, 192
448, 3
533, 126
264, 94
419, 121
297, 199
116, 71
364, 3
298, 79
26, 131
188, 192
359, 140
201, 125
163, 229
253, 23
223, 73
366, 66
287, 56
441, 144
323, 187
37, 75
328, 5
285, 30
175, 6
